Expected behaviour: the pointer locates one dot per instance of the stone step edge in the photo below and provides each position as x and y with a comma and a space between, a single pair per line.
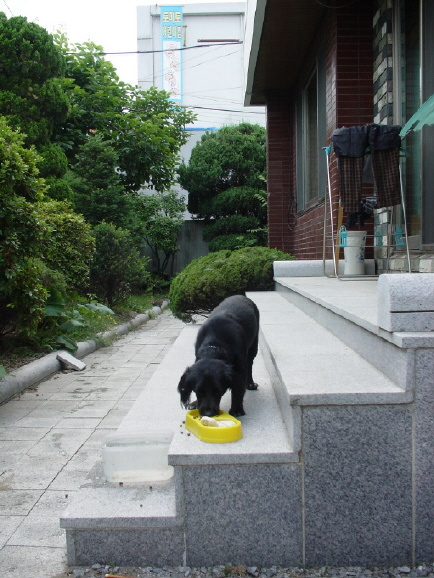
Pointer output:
277, 316
132, 506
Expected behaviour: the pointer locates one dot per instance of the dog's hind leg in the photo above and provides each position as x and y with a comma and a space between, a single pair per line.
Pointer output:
251, 354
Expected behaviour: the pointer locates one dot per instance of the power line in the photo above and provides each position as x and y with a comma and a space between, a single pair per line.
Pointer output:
162, 50
222, 109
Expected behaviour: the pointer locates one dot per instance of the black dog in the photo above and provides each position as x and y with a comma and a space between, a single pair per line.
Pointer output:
226, 345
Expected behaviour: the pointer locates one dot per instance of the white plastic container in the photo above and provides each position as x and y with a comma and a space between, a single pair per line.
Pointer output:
354, 253
137, 457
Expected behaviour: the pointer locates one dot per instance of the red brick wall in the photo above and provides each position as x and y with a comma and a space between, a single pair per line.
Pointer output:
279, 169
347, 34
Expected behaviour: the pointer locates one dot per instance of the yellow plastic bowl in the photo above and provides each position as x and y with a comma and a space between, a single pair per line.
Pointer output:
214, 435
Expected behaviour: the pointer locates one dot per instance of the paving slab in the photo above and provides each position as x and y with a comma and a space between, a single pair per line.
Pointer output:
50, 440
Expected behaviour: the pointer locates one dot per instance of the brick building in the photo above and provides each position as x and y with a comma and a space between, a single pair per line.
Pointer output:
319, 65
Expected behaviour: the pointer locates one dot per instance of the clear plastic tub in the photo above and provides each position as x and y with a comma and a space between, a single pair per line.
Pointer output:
137, 457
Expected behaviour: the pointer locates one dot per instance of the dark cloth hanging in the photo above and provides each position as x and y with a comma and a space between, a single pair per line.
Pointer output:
350, 182
351, 145
382, 137
385, 143
350, 141
385, 167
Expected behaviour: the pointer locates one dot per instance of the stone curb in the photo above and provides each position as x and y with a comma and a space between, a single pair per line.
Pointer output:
40, 369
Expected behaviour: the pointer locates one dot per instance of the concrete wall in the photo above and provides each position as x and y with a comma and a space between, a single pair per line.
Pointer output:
191, 245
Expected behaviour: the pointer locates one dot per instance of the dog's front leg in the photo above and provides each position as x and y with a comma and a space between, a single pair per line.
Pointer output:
237, 394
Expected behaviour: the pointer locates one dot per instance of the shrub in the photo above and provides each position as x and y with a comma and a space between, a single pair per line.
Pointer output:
116, 269
233, 232
232, 224
25, 307
206, 281
241, 200
232, 242
67, 244
22, 296
59, 189
67, 322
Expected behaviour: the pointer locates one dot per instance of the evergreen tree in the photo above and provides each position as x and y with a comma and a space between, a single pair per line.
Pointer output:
225, 181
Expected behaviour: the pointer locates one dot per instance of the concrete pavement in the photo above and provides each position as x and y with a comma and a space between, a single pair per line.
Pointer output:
50, 441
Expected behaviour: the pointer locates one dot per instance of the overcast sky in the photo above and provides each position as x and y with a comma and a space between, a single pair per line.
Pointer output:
109, 23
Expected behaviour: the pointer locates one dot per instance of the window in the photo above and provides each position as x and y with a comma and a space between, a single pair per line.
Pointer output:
408, 84
311, 138
413, 48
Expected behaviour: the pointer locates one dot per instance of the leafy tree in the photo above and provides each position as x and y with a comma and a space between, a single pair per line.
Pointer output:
149, 139
98, 191
233, 156
96, 95
116, 268
145, 128
224, 178
31, 93
160, 218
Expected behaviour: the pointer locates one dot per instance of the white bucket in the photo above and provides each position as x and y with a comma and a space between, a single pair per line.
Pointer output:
354, 253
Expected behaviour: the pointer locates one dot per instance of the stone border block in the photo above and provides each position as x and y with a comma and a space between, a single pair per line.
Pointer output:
314, 268
406, 302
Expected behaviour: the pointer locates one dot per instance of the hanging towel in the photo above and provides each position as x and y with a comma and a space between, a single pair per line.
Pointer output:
385, 142
385, 166
351, 144
350, 182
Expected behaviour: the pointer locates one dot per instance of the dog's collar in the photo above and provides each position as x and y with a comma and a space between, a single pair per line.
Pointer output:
215, 348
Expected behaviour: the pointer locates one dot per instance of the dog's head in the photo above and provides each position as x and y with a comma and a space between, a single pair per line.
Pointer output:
209, 379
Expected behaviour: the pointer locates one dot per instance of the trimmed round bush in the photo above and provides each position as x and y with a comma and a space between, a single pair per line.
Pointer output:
233, 242
206, 281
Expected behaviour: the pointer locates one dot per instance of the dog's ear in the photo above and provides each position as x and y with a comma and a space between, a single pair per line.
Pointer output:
185, 387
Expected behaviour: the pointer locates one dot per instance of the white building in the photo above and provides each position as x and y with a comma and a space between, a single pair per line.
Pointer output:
195, 52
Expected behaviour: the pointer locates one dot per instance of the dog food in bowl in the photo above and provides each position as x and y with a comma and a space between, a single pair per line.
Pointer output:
220, 429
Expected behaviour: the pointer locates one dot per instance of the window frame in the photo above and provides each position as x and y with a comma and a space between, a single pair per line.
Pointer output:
311, 194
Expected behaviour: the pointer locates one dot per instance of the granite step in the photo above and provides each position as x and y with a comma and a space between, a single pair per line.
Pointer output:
115, 519
315, 366
309, 366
